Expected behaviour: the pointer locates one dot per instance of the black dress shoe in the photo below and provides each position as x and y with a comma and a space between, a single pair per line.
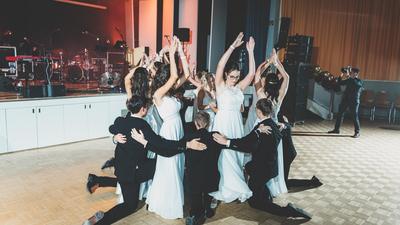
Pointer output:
356, 135
297, 212
333, 132
109, 163
315, 182
91, 182
195, 220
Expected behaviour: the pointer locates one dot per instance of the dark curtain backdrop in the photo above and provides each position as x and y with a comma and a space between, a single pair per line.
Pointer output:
362, 33
250, 17
257, 26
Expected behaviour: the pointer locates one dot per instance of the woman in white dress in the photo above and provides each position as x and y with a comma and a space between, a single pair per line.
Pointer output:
137, 82
275, 89
251, 116
252, 119
228, 121
165, 196
205, 98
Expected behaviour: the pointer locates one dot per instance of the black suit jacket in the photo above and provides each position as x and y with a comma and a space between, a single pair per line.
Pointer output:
202, 166
264, 149
353, 89
131, 156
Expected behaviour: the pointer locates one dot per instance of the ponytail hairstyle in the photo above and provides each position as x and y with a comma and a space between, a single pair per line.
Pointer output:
162, 75
272, 86
140, 80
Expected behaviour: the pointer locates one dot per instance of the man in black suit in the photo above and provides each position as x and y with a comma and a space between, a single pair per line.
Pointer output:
132, 167
202, 174
202, 171
264, 164
350, 99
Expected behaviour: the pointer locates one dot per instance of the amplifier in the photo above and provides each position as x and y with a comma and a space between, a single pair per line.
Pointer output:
6, 67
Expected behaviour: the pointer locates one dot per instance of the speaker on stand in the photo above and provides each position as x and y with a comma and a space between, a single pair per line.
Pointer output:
283, 33
297, 65
183, 34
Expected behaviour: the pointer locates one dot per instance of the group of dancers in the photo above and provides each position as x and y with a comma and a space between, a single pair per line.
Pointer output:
222, 159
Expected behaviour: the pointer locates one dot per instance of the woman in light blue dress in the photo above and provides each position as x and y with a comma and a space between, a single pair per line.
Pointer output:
228, 121
275, 88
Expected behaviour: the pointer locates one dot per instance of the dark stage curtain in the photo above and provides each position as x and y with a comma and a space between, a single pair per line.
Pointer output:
257, 26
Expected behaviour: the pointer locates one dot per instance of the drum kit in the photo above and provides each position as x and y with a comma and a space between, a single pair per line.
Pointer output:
78, 69
82, 68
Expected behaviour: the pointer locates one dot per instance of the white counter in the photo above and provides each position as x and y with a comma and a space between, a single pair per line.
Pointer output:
34, 123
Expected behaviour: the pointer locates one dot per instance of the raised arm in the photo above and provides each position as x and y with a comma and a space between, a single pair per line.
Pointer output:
219, 74
260, 70
185, 66
194, 82
285, 77
159, 93
160, 55
252, 65
128, 82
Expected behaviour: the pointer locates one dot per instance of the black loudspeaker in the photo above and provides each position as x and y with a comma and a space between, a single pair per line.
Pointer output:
39, 91
58, 90
299, 49
6, 84
147, 50
35, 91
294, 106
283, 33
183, 34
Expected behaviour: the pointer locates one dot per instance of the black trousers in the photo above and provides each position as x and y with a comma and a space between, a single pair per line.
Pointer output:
262, 198
289, 154
106, 181
199, 202
130, 193
353, 106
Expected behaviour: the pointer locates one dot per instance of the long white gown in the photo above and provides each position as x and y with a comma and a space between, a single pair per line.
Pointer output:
277, 185
154, 120
250, 121
228, 121
251, 116
207, 100
165, 196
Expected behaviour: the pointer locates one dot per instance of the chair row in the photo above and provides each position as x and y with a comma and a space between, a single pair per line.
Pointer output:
380, 100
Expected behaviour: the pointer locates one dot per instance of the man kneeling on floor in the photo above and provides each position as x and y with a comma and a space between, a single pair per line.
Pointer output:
132, 167
263, 165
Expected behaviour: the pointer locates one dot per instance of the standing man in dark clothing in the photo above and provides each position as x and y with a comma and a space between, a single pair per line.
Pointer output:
264, 164
351, 99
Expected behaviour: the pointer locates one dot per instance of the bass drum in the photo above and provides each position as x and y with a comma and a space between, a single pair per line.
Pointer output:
75, 73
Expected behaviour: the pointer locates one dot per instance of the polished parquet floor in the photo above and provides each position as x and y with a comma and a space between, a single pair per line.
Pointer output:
361, 182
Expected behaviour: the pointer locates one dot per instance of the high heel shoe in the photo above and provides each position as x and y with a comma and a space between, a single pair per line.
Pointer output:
109, 163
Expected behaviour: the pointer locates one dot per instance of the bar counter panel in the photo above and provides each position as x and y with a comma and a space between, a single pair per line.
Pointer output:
27, 123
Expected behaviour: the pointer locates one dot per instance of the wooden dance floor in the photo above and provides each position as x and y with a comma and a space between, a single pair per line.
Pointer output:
361, 182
